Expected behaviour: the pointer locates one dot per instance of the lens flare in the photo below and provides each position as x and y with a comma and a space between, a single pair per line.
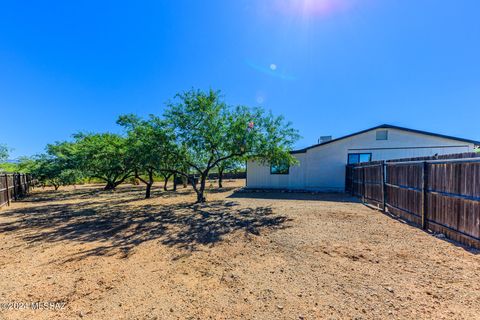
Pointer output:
270, 70
313, 7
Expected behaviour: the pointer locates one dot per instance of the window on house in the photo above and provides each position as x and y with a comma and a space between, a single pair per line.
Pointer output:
279, 169
354, 158
382, 134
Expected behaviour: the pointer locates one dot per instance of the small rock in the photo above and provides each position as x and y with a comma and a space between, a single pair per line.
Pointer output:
81, 314
389, 289
279, 306
440, 236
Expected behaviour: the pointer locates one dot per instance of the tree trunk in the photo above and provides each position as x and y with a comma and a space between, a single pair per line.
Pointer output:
56, 187
220, 178
184, 182
110, 186
166, 182
148, 191
200, 192
149, 185
174, 182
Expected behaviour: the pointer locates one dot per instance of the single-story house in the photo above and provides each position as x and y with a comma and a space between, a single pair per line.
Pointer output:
321, 167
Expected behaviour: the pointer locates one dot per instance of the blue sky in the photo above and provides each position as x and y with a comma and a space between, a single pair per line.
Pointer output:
332, 67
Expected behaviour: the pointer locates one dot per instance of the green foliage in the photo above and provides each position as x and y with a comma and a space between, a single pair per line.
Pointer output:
150, 143
198, 133
8, 167
150, 147
3, 152
230, 165
101, 155
211, 132
26, 164
49, 170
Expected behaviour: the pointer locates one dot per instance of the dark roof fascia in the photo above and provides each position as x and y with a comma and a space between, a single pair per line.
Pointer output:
387, 126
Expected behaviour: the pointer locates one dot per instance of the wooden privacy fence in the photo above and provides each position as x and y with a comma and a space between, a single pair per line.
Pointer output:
13, 186
441, 194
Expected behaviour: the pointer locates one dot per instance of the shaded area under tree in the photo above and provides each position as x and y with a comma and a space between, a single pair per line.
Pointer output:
122, 226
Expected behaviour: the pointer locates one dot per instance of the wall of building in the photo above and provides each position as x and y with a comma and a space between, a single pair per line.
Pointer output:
323, 168
259, 176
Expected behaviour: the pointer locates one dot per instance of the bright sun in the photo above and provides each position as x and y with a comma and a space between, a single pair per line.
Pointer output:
313, 7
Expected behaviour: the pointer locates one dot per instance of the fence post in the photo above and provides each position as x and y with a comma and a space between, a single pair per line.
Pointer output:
384, 186
6, 190
424, 194
363, 184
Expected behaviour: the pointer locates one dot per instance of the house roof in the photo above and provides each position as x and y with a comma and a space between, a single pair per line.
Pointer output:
387, 126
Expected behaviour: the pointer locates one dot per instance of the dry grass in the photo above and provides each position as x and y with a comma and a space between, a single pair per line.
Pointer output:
113, 255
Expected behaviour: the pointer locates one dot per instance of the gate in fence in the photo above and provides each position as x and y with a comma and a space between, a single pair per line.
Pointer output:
441, 194
13, 186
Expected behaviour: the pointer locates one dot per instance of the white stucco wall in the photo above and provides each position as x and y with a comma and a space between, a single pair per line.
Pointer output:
323, 168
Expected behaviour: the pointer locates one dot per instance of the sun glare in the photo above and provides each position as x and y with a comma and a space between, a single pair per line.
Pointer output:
313, 7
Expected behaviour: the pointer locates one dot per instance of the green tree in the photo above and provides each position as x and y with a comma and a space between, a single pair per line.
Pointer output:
27, 164
49, 170
102, 156
3, 152
212, 132
151, 148
232, 164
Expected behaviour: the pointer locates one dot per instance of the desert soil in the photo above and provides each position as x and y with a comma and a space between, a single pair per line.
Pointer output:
114, 255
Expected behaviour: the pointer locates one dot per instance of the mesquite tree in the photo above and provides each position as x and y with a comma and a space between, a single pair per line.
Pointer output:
49, 170
230, 165
151, 147
212, 132
102, 156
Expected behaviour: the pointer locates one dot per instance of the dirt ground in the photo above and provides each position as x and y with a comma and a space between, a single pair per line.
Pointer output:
114, 255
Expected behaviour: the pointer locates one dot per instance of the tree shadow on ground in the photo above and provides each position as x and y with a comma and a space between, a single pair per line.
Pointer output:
119, 227
293, 195
133, 191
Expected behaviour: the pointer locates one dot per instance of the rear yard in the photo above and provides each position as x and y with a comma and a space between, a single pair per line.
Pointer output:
113, 255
